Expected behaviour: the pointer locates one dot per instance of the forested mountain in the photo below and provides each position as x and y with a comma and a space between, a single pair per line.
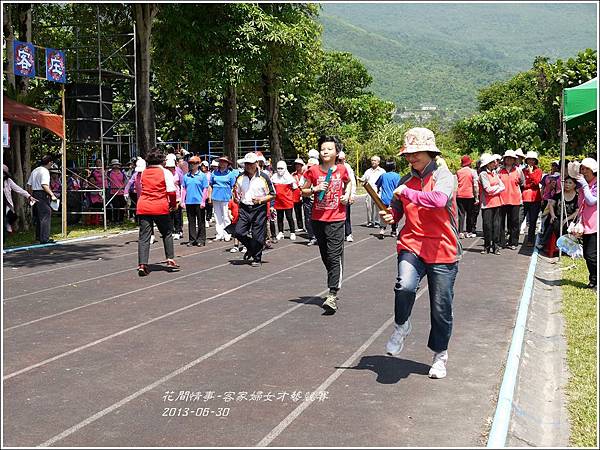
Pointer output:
443, 53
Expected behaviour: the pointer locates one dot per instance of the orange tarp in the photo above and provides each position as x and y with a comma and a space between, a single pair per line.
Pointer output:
17, 112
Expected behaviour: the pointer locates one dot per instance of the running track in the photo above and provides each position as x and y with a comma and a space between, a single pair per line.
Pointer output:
95, 356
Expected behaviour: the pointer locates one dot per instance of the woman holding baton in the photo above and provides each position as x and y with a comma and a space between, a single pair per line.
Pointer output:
427, 244
330, 184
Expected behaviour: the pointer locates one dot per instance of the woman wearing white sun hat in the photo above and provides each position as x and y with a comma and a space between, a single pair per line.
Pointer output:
588, 203
490, 188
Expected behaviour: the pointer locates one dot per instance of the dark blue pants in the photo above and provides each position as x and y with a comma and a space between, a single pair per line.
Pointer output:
440, 281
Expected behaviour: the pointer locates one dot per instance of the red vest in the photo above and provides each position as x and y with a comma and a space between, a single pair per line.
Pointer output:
511, 195
430, 233
465, 183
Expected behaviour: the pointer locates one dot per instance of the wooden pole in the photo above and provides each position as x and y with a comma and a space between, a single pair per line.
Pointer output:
64, 167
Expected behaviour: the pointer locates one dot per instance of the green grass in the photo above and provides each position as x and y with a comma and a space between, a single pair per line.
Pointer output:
21, 238
580, 307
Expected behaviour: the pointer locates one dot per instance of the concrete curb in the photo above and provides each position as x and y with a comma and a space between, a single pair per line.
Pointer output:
500, 423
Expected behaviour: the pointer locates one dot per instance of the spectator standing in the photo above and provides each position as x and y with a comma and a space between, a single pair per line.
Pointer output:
117, 180
219, 194
38, 185
371, 175
297, 196
205, 168
467, 197
387, 183
513, 180
285, 185
554, 229
177, 213
156, 200
532, 197
307, 205
8, 205
490, 187
133, 189
196, 188
348, 223
588, 205
97, 181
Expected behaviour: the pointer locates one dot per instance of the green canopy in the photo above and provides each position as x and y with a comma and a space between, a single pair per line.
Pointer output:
580, 102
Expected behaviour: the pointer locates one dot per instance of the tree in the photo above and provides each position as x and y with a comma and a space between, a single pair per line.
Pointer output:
20, 145
146, 128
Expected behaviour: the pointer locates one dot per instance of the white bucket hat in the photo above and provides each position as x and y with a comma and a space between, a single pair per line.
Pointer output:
519, 152
140, 164
115, 162
590, 163
497, 156
299, 161
419, 140
281, 165
486, 158
532, 155
312, 162
313, 153
214, 163
250, 158
509, 153
170, 163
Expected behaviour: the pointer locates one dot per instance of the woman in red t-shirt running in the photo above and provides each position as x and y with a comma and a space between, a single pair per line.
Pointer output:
329, 212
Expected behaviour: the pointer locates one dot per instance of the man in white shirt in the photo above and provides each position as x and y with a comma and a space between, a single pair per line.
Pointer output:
348, 224
372, 175
38, 185
253, 190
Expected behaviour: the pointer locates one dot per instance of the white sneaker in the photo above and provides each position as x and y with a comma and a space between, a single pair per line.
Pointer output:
243, 250
176, 236
396, 342
233, 250
438, 367
349, 238
292, 236
299, 230
227, 237
207, 224
152, 239
313, 241
280, 236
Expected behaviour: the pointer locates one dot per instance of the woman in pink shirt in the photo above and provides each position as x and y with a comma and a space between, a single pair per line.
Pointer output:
116, 184
588, 205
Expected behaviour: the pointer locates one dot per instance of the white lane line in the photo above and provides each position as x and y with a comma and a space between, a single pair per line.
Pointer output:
155, 319
127, 293
329, 381
182, 369
70, 265
98, 277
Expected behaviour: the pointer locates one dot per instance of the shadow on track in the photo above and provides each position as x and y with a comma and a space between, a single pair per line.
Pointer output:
390, 370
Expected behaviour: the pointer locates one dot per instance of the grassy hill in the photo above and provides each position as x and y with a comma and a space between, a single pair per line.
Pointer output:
444, 53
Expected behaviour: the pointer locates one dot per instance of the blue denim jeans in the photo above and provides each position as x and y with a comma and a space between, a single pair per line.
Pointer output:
440, 280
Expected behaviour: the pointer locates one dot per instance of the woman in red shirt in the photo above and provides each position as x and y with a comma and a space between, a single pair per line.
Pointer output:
329, 212
157, 199
532, 196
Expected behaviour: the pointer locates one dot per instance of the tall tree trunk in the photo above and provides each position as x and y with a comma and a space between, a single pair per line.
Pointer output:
25, 31
271, 102
146, 128
230, 124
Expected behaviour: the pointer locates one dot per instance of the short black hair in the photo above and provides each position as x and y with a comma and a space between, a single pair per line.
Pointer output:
155, 157
334, 139
390, 166
47, 159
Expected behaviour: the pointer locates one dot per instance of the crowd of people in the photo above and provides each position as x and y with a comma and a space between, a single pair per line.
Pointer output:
251, 203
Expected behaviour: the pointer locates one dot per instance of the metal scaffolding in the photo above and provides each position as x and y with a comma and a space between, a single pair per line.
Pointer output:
107, 61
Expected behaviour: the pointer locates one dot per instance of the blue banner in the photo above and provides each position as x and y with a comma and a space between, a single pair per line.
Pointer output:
24, 59
56, 67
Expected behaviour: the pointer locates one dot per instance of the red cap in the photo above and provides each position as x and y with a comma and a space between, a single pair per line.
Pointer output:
466, 160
